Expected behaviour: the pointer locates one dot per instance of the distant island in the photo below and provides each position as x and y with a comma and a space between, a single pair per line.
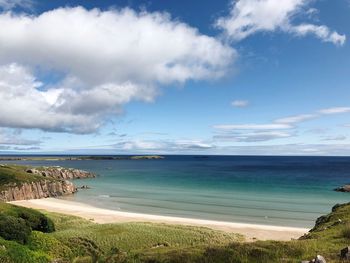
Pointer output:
80, 158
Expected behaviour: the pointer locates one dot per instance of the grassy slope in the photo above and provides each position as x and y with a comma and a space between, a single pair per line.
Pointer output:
192, 244
146, 242
16, 175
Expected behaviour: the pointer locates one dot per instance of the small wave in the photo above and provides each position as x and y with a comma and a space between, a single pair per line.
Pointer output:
104, 196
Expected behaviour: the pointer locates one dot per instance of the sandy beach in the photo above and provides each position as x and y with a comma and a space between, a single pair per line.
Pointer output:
102, 216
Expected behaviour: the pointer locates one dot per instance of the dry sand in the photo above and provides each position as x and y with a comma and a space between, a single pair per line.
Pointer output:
102, 216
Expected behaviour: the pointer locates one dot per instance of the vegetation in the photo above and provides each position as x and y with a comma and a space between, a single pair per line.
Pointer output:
12, 228
34, 219
11, 175
80, 240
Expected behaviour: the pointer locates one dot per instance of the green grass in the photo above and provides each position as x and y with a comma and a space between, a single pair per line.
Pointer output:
146, 242
80, 240
137, 236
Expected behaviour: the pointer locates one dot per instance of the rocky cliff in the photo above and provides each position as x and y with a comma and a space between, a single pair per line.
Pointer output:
20, 182
36, 190
61, 173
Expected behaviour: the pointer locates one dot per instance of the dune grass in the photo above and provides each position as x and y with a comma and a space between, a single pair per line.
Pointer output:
80, 240
138, 236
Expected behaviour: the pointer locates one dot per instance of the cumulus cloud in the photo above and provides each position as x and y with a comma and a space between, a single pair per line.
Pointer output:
248, 17
240, 103
106, 59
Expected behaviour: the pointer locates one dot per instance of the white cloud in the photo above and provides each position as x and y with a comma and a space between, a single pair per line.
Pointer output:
334, 138
271, 131
322, 32
255, 136
14, 137
240, 103
11, 4
296, 118
335, 110
106, 58
272, 126
163, 146
248, 17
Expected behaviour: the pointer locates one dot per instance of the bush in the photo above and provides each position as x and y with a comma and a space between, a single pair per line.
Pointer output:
345, 232
12, 228
36, 220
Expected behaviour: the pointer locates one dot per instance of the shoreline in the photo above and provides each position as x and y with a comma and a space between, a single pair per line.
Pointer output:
102, 216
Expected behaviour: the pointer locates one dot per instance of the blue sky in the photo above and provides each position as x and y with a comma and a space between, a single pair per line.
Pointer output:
167, 77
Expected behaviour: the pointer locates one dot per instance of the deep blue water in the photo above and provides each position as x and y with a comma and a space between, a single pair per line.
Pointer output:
289, 191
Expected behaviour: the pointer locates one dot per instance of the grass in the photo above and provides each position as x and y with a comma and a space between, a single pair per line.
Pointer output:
137, 236
80, 240
146, 242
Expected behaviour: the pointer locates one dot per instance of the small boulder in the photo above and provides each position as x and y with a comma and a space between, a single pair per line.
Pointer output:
33, 171
345, 253
85, 187
319, 259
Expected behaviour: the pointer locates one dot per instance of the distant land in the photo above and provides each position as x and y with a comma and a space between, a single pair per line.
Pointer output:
79, 158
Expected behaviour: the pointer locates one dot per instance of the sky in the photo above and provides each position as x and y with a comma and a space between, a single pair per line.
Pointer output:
243, 77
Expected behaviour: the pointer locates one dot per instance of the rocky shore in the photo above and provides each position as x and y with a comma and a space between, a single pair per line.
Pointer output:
40, 182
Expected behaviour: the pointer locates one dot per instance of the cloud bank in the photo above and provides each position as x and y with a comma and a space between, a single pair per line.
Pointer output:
105, 59
278, 129
248, 17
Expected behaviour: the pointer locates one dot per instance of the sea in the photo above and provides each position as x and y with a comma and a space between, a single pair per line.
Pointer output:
269, 190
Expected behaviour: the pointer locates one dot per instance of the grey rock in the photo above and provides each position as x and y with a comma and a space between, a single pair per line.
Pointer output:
319, 259
345, 253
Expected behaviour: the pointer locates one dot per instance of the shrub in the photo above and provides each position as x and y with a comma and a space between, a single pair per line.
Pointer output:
43, 242
345, 232
17, 253
35, 219
12, 228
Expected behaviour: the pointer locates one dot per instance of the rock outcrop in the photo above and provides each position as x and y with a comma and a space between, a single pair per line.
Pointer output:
344, 188
38, 189
61, 173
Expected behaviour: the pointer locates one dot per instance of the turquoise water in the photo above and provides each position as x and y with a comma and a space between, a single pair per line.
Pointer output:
286, 191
